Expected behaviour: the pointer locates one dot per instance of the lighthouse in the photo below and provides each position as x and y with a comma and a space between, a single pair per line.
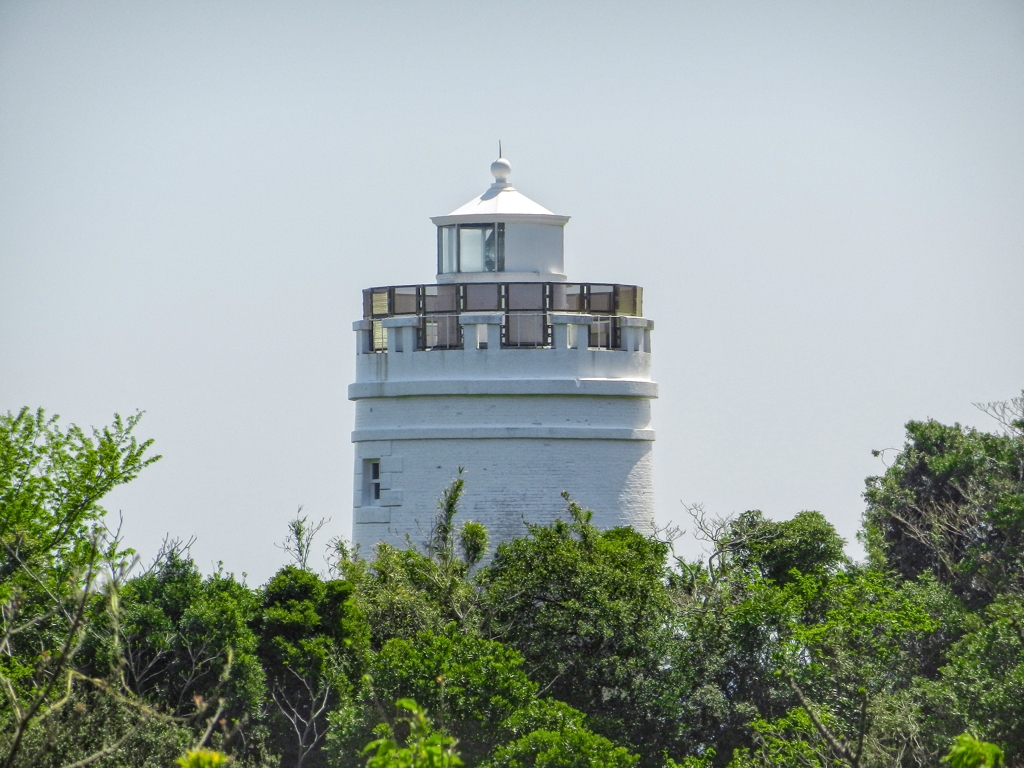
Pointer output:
530, 383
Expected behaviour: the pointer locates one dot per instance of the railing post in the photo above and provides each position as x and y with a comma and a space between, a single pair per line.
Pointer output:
582, 324
633, 330
402, 333
363, 329
492, 320
560, 322
494, 335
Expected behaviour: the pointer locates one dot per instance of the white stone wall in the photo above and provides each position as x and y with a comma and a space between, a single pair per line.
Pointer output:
508, 482
496, 416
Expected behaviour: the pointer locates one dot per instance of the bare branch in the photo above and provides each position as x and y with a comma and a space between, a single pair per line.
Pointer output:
299, 541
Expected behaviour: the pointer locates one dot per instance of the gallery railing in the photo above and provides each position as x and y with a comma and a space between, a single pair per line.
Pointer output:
526, 307
589, 298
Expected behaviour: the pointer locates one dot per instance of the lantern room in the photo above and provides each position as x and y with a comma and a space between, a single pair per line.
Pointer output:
501, 235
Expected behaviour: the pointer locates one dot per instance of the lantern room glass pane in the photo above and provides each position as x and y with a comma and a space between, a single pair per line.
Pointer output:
501, 247
490, 250
447, 257
478, 249
471, 250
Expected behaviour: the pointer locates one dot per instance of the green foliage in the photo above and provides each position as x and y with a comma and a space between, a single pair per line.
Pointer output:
473, 542
424, 747
968, 752
177, 634
807, 544
312, 642
543, 715
308, 624
93, 720
57, 560
575, 748
202, 758
572, 647
404, 592
837, 628
298, 544
790, 740
588, 610
981, 688
952, 504
472, 685
51, 482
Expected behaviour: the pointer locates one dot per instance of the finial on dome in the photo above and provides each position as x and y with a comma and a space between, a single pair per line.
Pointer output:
500, 169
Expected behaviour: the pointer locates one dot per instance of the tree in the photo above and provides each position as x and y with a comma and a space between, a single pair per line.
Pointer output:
51, 482
980, 688
472, 685
969, 752
424, 747
589, 612
298, 544
952, 504
562, 749
312, 643
184, 643
56, 560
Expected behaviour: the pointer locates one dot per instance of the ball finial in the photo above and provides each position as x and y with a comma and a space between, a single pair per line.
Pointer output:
500, 169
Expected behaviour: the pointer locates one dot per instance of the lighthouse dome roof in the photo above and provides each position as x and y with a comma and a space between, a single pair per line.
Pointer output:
500, 202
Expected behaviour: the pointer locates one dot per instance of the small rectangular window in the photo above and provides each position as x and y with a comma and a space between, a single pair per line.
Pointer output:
371, 482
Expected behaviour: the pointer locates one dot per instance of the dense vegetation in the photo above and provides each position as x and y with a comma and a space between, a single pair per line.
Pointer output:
569, 646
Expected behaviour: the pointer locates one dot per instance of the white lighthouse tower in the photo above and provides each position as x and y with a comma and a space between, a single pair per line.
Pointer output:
531, 383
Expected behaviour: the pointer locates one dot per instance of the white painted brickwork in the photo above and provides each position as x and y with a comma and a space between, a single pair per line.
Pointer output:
521, 439
509, 482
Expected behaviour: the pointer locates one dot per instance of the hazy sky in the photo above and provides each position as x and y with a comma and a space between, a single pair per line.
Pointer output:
823, 201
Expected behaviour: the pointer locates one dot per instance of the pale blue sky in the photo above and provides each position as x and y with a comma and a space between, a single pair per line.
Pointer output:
823, 201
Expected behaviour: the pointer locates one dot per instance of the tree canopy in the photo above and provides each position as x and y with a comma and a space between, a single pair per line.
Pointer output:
568, 646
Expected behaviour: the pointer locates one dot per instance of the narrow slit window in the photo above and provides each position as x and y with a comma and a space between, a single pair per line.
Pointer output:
371, 482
